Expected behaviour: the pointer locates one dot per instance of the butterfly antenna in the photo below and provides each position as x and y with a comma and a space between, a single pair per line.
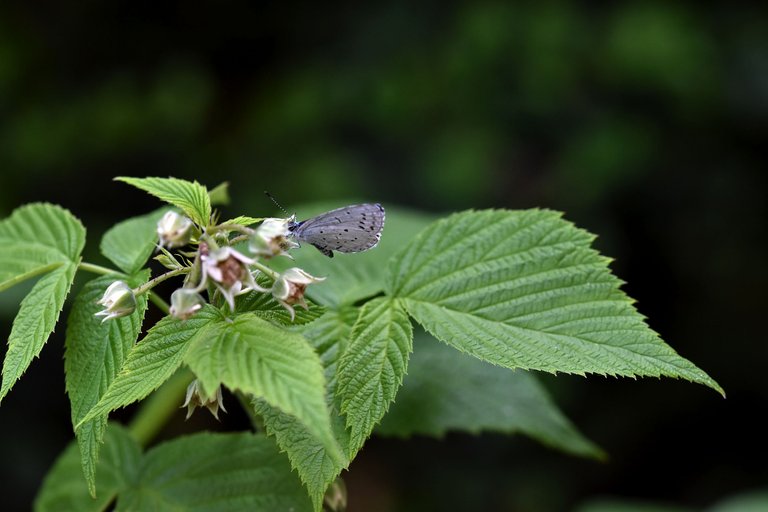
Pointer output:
275, 201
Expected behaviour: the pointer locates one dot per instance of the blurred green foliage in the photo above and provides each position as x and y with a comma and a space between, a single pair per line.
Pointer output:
644, 121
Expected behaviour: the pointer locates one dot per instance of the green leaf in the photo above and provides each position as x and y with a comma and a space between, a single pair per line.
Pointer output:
36, 239
372, 367
95, 351
311, 460
523, 289
219, 195
191, 197
265, 306
243, 220
35, 321
257, 357
215, 472
152, 361
446, 390
64, 488
130, 243
353, 277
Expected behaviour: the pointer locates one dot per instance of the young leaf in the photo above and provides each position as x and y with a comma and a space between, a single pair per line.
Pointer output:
446, 390
191, 197
65, 489
152, 361
372, 367
95, 351
523, 289
307, 454
259, 358
243, 220
130, 243
37, 238
219, 195
222, 472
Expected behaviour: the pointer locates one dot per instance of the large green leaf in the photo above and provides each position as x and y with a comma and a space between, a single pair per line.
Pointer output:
152, 361
257, 357
95, 351
446, 390
215, 472
352, 277
191, 197
372, 367
307, 454
36, 239
523, 289
130, 243
203, 472
64, 488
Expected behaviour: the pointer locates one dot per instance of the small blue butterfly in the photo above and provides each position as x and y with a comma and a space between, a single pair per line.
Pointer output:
353, 228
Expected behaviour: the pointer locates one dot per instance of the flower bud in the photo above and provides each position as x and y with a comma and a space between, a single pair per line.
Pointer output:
271, 238
174, 230
185, 302
290, 286
118, 300
196, 397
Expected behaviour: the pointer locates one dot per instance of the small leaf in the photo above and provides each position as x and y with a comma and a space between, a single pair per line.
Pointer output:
130, 243
523, 289
222, 472
191, 197
242, 220
308, 457
219, 195
372, 367
65, 489
95, 351
152, 361
257, 357
48, 226
446, 390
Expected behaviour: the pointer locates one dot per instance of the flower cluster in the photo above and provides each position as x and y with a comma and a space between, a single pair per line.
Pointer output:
219, 269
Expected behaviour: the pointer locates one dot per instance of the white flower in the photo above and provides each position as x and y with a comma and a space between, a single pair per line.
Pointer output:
272, 238
118, 300
229, 271
289, 288
196, 397
185, 302
174, 230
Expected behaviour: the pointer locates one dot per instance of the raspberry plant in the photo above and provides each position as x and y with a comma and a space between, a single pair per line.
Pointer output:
521, 290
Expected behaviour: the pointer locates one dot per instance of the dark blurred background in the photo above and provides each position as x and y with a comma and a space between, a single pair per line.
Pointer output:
642, 121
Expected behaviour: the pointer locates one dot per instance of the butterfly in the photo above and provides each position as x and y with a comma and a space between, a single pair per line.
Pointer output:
353, 228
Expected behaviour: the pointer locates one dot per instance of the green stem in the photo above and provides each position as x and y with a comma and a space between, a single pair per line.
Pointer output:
268, 271
96, 269
155, 411
159, 279
158, 301
256, 422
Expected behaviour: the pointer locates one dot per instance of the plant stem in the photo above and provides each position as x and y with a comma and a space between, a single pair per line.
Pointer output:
268, 271
158, 301
256, 422
159, 407
96, 269
159, 279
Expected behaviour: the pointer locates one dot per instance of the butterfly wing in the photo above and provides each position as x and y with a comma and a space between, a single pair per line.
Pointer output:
350, 229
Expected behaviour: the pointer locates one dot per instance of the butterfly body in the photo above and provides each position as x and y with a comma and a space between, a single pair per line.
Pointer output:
353, 228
